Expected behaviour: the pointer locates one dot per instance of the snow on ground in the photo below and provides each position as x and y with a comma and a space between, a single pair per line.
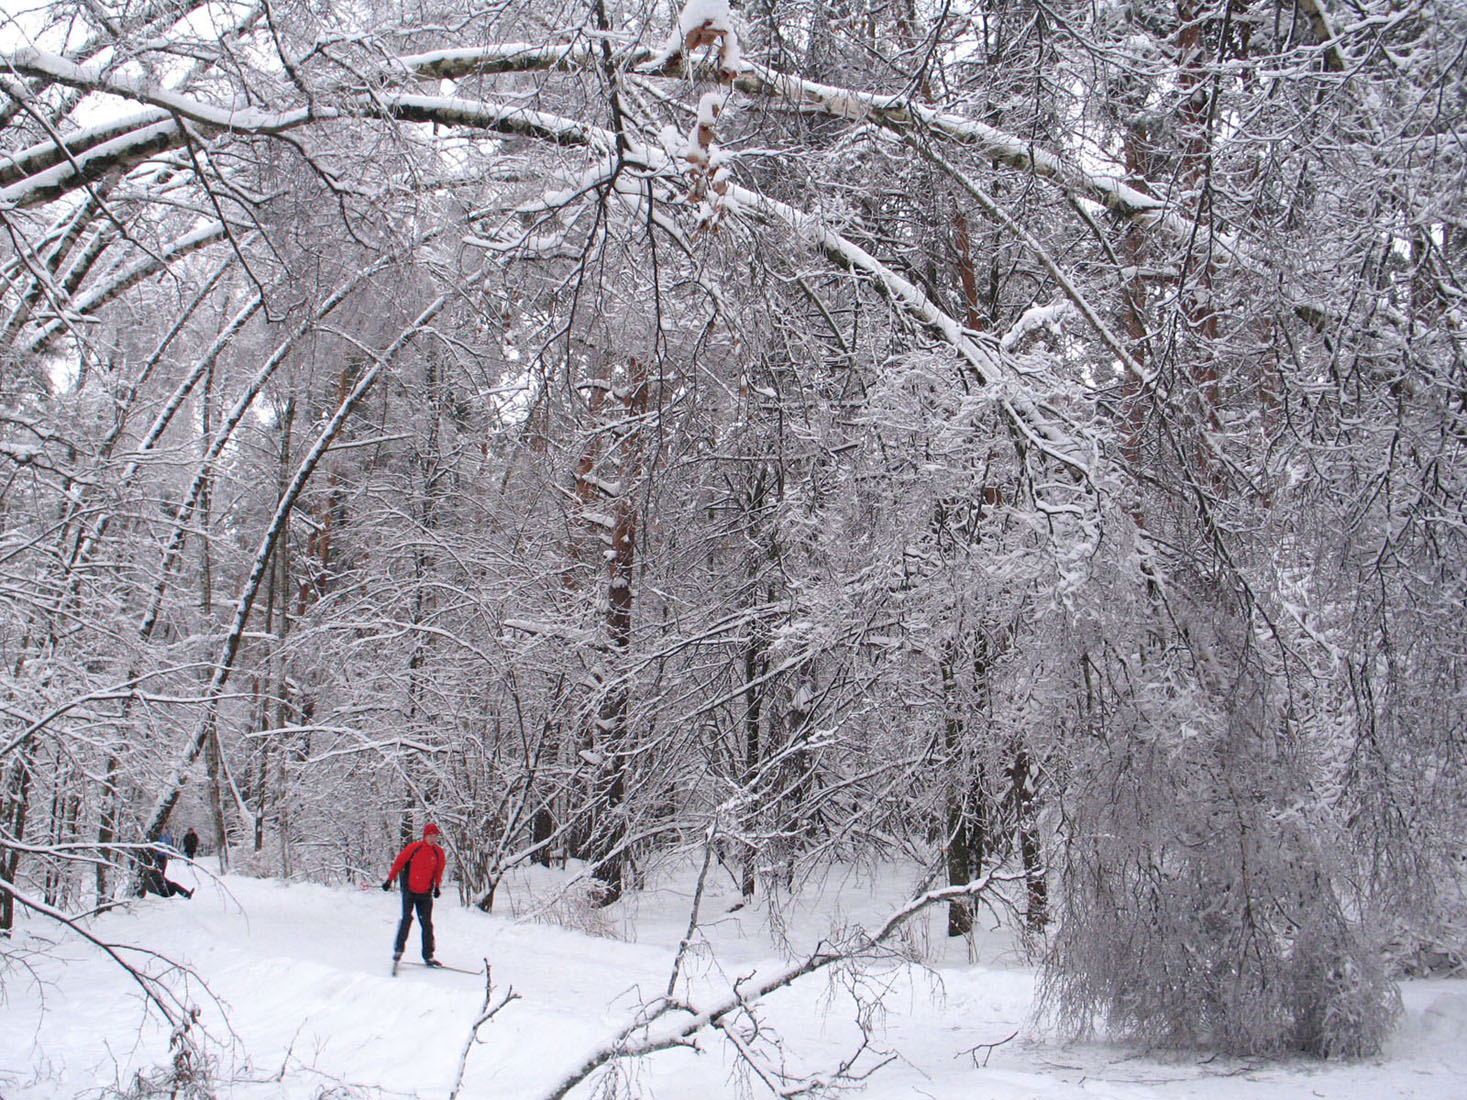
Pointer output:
295, 995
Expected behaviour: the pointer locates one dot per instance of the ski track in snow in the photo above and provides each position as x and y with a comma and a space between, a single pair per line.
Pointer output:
301, 974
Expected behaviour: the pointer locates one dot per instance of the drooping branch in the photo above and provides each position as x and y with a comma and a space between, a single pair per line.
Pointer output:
895, 113
898, 114
73, 147
986, 362
1063, 281
153, 990
65, 173
99, 294
93, 78
984, 359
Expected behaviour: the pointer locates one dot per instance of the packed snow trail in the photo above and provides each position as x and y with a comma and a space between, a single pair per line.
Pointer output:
300, 972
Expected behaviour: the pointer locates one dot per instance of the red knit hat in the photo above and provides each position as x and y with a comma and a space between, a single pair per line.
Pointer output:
430, 830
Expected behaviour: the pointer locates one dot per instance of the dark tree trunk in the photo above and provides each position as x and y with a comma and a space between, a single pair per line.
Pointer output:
754, 664
610, 857
1036, 886
13, 817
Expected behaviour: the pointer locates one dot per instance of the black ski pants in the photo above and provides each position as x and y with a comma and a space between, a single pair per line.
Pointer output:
423, 903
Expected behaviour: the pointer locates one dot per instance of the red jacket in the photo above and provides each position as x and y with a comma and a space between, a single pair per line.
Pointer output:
425, 863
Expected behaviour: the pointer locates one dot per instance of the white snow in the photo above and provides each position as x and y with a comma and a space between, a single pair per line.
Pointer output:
295, 997
710, 104
1050, 317
711, 17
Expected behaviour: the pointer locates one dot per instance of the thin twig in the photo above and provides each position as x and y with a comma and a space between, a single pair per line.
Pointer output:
487, 1012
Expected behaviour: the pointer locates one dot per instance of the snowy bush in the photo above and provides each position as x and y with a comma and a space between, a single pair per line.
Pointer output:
190, 1073
1341, 1003
578, 908
1202, 917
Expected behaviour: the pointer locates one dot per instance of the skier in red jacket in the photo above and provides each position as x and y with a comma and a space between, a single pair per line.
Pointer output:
419, 867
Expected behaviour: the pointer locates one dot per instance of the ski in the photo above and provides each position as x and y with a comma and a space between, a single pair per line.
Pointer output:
444, 966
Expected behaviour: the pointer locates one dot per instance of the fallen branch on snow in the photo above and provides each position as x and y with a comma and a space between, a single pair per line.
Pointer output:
680, 1022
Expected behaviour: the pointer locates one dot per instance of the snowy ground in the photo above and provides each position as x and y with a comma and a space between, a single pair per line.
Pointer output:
299, 1004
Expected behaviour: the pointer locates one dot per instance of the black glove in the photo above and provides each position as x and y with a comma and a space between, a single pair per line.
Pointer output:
386, 886
435, 891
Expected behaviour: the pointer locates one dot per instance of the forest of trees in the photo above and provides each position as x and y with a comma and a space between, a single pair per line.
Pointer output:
1022, 434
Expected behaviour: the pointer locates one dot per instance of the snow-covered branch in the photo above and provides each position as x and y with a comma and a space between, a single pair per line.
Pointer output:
63, 173
95, 78
899, 114
108, 290
153, 990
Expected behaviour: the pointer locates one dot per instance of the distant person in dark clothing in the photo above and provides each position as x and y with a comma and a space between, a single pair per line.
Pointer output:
190, 844
420, 867
155, 878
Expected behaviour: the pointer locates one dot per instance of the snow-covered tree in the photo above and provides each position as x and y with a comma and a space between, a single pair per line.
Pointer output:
998, 433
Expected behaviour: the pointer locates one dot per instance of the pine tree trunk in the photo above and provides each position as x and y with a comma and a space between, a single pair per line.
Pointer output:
610, 863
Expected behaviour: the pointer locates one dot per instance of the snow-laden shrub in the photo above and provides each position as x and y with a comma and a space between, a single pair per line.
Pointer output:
1198, 904
191, 1073
577, 907
1341, 1002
